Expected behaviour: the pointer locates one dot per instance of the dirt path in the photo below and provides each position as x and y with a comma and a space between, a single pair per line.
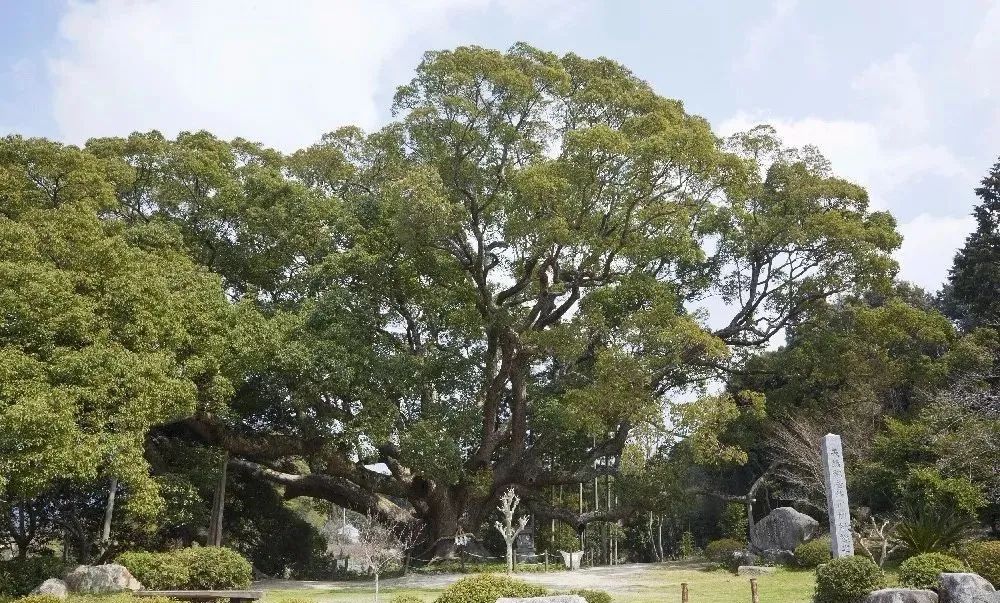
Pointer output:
614, 579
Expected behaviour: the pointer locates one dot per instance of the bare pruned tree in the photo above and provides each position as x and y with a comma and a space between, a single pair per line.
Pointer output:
508, 504
798, 467
382, 544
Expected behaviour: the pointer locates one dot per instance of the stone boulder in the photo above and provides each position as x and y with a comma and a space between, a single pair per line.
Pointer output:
755, 570
54, 587
965, 588
902, 595
545, 599
777, 557
742, 558
784, 529
101, 579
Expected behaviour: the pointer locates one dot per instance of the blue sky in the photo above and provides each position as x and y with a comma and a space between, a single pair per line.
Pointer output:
903, 97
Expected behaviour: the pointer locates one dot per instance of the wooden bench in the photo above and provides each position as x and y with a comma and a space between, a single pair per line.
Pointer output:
236, 596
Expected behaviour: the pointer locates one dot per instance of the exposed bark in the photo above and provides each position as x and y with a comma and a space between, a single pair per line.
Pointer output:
109, 511
218, 505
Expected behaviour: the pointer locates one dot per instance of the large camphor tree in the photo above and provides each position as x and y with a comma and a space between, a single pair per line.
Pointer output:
495, 288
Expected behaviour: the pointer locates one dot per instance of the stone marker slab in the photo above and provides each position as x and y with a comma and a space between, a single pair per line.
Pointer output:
841, 539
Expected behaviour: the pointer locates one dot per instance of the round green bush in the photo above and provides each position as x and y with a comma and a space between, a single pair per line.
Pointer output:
847, 580
592, 595
157, 571
984, 559
813, 553
921, 571
721, 551
487, 588
215, 568
196, 568
20, 576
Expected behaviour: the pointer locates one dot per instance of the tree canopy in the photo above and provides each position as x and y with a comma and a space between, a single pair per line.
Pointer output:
496, 289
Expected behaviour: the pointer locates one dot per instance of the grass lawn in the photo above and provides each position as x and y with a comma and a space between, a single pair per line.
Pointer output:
649, 583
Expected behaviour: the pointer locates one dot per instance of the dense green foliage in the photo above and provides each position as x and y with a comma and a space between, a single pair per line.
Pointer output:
721, 551
733, 523
974, 283
406, 599
921, 571
847, 580
157, 571
984, 559
197, 568
813, 553
505, 286
487, 588
20, 576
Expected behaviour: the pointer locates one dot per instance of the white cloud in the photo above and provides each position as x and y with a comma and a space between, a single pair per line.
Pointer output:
276, 72
929, 246
859, 152
895, 85
764, 37
983, 56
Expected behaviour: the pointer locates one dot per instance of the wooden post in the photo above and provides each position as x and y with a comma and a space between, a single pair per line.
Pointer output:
684, 592
754, 596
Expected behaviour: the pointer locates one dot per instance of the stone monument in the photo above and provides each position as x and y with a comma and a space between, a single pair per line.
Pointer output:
841, 539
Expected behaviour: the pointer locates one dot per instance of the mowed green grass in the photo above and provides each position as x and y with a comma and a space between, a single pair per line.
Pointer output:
657, 584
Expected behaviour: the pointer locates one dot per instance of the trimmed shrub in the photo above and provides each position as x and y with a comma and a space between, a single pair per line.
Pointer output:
847, 580
921, 571
406, 599
20, 576
813, 553
157, 571
216, 567
984, 559
721, 551
593, 596
487, 588
198, 568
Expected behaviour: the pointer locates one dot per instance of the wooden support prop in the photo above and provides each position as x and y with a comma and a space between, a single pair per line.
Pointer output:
754, 595
684, 592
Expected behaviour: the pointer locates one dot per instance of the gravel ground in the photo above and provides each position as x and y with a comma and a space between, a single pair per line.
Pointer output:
616, 579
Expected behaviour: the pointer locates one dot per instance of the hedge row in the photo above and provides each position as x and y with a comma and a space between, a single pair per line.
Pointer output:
201, 568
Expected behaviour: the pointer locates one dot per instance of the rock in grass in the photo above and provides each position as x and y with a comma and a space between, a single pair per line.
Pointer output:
101, 579
53, 587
